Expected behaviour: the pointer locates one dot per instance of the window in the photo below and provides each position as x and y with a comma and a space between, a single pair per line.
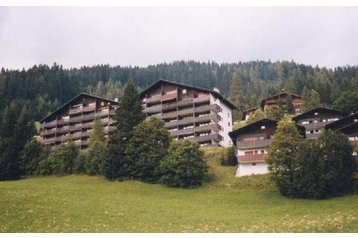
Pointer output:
305, 122
228, 123
316, 113
228, 114
253, 164
184, 91
263, 127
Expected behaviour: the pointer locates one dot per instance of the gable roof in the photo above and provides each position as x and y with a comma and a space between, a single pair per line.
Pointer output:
216, 94
74, 99
233, 134
318, 109
281, 94
343, 122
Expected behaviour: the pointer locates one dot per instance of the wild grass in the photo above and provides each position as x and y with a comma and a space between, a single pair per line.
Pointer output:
228, 204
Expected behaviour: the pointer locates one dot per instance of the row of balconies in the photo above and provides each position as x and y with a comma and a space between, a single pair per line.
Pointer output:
214, 127
76, 119
174, 105
188, 111
244, 145
188, 121
214, 137
82, 143
251, 158
75, 136
62, 130
82, 109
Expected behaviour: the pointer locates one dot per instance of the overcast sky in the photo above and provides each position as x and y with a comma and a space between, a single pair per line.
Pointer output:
139, 36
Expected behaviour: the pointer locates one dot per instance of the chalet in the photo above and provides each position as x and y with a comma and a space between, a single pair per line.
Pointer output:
347, 125
252, 142
74, 121
281, 99
316, 119
193, 113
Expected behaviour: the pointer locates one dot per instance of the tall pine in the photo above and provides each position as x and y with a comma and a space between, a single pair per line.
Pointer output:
128, 115
97, 151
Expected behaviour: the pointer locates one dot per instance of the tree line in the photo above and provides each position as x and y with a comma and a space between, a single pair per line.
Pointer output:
43, 88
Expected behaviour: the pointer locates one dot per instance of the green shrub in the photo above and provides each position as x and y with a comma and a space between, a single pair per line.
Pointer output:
229, 159
80, 163
62, 160
31, 156
311, 169
184, 166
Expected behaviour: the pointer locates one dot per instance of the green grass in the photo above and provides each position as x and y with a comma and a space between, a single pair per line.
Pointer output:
228, 204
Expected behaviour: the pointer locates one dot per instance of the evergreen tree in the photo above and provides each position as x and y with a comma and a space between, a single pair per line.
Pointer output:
128, 115
236, 97
62, 160
33, 153
282, 160
275, 113
97, 151
310, 99
184, 166
146, 148
347, 102
290, 107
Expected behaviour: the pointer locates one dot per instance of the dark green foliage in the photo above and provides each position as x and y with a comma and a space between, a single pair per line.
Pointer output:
184, 166
62, 160
80, 164
290, 109
117, 165
311, 169
310, 99
347, 102
275, 113
146, 148
33, 153
230, 157
97, 151
256, 116
15, 131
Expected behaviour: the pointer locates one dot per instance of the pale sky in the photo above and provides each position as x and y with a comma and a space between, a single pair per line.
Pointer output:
140, 36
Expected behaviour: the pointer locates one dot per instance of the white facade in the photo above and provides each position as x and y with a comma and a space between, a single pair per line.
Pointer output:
251, 168
226, 121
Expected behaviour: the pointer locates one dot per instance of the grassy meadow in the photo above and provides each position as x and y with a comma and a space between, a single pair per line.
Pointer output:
228, 204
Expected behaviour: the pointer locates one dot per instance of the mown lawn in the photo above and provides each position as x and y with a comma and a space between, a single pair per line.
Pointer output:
92, 204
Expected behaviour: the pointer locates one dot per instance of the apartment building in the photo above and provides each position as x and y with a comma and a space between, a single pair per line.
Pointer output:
193, 113
252, 143
316, 119
74, 121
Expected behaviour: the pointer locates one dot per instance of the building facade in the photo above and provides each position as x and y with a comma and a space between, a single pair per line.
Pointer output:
251, 146
193, 113
347, 125
74, 121
316, 119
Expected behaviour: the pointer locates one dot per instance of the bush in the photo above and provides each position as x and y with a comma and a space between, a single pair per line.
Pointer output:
184, 166
80, 163
312, 169
62, 160
229, 159
147, 147
31, 156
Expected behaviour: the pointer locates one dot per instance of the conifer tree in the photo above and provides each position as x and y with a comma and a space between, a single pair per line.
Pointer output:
128, 115
236, 96
97, 150
310, 99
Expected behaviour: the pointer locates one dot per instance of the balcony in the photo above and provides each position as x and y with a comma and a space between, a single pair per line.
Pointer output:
76, 119
169, 106
153, 109
182, 132
169, 115
48, 132
244, 145
251, 158
156, 98
214, 127
50, 124
185, 102
89, 108
170, 96
202, 99
62, 130
206, 118
62, 122
214, 137
75, 110
49, 140
89, 117
110, 129
314, 126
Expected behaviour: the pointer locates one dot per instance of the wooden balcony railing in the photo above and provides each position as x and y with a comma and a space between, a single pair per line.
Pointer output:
251, 158
214, 137
244, 145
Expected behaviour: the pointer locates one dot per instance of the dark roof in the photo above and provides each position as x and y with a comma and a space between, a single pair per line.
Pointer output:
233, 134
318, 109
75, 98
343, 122
216, 94
281, 94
